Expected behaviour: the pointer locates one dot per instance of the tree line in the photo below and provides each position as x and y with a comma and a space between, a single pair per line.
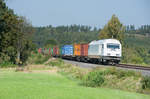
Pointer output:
143, 29
84, 34
64, 35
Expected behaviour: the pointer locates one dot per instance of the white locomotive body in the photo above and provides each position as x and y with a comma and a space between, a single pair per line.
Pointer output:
105, 51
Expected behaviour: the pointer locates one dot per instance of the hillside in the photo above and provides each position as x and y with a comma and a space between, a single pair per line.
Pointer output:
82, 34
135, 44
136, 49
137, 40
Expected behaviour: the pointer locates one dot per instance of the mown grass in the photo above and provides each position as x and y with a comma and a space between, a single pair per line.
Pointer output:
22, 85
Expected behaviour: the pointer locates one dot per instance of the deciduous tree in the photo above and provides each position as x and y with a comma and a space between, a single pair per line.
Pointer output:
113, 29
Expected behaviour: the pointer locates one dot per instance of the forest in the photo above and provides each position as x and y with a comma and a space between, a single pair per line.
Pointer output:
80, 34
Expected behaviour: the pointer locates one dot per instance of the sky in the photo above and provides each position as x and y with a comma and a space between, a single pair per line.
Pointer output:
86, 12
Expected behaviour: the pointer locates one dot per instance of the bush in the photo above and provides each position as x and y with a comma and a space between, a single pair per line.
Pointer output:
7, 64
37, 58
120, 73
58, 62
146, 82
113, 78
94, 79
41, 59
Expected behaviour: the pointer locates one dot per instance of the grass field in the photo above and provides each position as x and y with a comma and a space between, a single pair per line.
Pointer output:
51, 85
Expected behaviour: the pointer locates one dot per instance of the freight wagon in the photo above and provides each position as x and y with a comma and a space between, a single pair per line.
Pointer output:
106, 51
84, 52
67, 52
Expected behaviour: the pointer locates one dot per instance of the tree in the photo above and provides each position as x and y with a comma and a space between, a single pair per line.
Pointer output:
50, 43
113, 29
15, 36
23, 37
8, 21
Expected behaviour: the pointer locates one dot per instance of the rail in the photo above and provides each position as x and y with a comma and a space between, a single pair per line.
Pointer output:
133, 67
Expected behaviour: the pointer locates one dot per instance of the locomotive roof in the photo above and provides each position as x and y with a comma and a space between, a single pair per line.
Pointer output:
105, 41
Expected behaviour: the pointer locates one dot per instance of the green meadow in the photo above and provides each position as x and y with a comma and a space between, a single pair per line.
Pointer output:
52, 85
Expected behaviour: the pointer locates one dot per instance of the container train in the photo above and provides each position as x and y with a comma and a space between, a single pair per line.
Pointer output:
106, 51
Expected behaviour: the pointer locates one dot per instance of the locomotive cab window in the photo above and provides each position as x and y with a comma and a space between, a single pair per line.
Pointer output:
113, 46
102, 45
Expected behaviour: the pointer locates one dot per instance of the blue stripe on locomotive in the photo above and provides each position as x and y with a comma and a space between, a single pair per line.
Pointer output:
67, 50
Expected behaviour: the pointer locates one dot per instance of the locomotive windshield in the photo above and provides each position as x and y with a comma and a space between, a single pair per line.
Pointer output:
113, 46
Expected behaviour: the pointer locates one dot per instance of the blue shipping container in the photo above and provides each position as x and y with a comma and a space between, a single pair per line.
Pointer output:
67, 50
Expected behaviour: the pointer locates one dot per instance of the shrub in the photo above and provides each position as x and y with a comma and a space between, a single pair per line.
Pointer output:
93, 79
41, 59
58, 63
121, 73
37, 58
7, 64
113, 78
146, 82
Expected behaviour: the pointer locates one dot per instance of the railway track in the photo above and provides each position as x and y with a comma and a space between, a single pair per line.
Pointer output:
90, 65
133, 67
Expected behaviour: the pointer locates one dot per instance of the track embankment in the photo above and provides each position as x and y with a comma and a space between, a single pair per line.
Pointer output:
145, 71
